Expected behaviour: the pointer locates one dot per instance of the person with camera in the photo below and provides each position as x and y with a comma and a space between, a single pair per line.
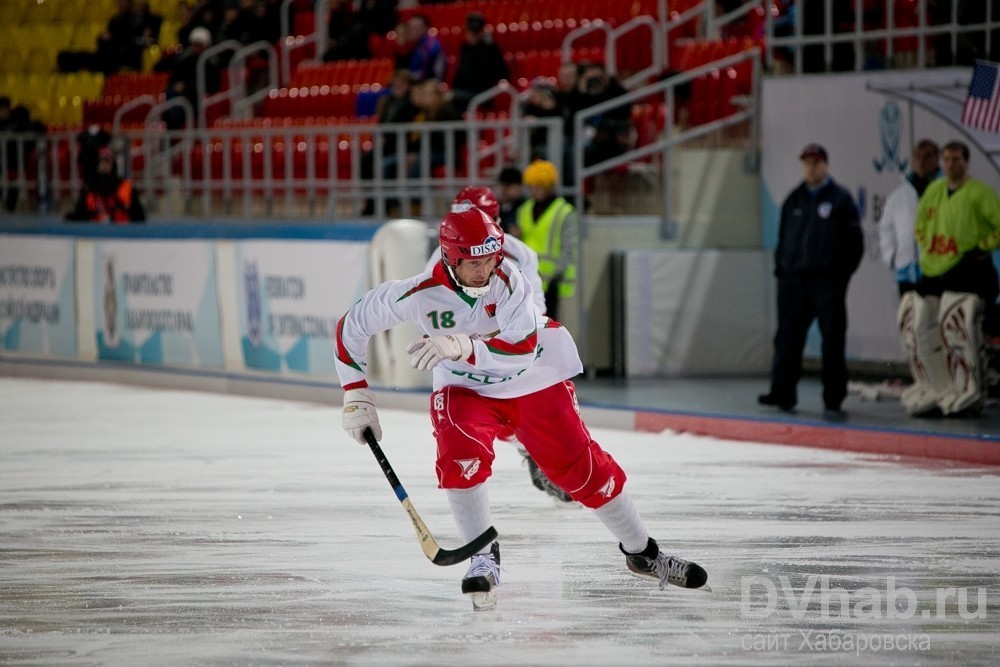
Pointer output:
607, 134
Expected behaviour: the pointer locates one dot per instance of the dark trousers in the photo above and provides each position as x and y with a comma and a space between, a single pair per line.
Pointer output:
974, 273
802, 299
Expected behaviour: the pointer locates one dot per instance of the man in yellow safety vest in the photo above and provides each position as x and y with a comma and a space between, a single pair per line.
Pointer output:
550, 226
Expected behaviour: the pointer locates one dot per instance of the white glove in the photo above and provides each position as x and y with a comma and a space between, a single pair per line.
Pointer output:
359, 414
426, 353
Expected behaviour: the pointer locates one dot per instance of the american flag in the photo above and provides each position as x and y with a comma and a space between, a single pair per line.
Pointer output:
982, 105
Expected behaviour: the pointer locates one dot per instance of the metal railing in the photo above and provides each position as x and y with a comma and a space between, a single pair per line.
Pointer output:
858, 36
283, 170
663, 146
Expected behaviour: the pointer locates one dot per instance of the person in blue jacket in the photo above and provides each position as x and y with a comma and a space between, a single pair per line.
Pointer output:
820, 246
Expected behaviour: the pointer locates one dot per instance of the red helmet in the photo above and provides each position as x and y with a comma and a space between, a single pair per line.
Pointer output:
481, 197
469, 234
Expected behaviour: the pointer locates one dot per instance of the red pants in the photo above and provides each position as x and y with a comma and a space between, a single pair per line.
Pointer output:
546, 422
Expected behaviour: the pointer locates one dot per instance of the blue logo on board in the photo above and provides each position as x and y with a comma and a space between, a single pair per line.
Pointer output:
890, 128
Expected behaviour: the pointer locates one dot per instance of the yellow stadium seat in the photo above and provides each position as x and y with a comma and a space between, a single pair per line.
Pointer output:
13, 58
41, 59
39, 108
21, 36
164, 8
91, 84
58, 35
100, 10
168, 32
11, 12
68, 110
150, 57
40, 85
85, 36
44, 11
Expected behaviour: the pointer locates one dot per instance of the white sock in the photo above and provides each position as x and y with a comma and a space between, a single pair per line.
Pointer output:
622, 519
471, 509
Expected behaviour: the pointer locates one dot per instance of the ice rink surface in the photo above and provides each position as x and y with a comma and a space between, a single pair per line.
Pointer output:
152, 527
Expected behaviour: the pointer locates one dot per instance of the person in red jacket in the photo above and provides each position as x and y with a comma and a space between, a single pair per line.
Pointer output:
107, 197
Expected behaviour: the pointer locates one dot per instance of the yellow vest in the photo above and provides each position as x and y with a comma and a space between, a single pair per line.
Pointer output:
544, 236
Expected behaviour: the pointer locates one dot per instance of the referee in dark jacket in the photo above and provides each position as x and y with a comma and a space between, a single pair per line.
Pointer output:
820, 246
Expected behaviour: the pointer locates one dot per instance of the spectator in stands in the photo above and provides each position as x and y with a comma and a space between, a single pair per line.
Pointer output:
402, 46
16, 120
117, 45
145, 31
106, 197
208, 14
267, 14
428, 60
394, 107
238, 23
338, 27
820, 246
186, 22
373, 17
896, 226
550, 226
511, 197
432, 107
480, 63
608, 134
542, 100
183, 80
89, 143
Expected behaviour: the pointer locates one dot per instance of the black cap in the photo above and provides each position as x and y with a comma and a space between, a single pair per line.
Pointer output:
814, 150
510, 176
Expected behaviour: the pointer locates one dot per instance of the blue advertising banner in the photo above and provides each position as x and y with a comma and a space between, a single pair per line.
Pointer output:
290, 295
157, 303
37, 300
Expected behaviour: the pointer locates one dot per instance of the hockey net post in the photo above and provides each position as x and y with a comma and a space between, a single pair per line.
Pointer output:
428, 544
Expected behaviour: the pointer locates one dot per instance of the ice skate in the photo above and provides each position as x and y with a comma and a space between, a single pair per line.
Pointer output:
483, 578
542, 482
653, 564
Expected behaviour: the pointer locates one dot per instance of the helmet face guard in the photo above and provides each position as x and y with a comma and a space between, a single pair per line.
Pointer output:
469, 233
481, 197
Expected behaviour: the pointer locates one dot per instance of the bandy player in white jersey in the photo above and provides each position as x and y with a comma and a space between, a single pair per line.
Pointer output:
495, 365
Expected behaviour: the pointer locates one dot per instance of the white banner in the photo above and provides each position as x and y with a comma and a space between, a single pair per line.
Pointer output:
37, 305
869, 138
156, 303
290, 295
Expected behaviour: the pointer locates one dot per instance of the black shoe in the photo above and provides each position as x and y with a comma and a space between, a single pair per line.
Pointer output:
783, 404
658, 566
834, 415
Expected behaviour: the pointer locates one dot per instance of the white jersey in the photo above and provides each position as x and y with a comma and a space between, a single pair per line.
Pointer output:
897, 241
515, 351
523, 257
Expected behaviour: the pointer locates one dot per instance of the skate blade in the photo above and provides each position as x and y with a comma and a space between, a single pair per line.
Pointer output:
704, 589
483, 601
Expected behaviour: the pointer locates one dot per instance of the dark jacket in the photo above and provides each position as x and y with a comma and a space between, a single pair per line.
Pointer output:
820, 233
480, 67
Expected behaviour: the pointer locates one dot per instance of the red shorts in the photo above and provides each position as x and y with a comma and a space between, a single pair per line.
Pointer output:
546, 422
